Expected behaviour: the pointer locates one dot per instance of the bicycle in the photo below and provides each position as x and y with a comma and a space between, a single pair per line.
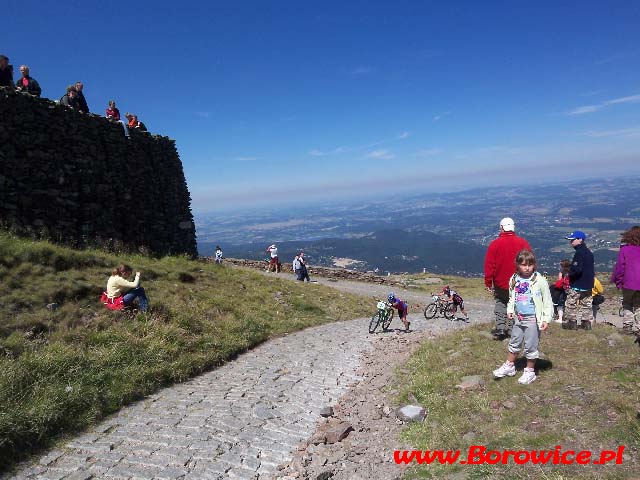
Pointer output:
441, 306
384, 315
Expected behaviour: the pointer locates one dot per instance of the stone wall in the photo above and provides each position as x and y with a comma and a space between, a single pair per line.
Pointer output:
330, 273
76, 179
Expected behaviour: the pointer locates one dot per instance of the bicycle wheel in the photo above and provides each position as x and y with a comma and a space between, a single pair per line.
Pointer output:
430, 311
391, 314
373, 324
387, 320
449, 311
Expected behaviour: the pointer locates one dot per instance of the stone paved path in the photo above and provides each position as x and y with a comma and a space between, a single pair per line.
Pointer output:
242, 420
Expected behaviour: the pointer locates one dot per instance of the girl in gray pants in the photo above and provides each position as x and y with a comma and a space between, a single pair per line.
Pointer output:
531, 309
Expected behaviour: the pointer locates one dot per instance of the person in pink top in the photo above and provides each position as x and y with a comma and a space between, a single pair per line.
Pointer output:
499, 266
626, 276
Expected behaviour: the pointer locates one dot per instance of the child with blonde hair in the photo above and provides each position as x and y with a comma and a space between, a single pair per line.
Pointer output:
531, 309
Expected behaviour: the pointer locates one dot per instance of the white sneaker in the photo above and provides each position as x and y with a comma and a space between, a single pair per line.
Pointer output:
505, 370
528, 376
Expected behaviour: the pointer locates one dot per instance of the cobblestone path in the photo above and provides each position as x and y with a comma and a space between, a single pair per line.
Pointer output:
241, 420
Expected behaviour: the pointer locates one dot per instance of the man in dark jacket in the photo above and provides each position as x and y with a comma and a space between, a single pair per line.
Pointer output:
28, 84
6, 72
577, 306
499, 265
82, 102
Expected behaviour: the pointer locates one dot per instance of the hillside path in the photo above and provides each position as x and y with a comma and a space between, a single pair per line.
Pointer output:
248, 418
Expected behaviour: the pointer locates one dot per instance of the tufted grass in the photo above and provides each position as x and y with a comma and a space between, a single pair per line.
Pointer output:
587, 397
62, 370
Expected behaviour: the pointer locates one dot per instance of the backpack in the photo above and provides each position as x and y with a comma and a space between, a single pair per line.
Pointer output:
112, 303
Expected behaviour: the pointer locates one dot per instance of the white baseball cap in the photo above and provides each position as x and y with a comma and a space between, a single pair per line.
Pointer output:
507, 224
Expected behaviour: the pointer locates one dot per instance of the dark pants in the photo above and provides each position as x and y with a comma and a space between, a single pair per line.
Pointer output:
304, 274
131, 295
501, 296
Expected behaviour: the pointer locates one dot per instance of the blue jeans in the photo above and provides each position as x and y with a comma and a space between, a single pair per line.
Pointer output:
131, 295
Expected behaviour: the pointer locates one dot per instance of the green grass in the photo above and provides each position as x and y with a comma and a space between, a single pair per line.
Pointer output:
468, 287
62, 370
586, 398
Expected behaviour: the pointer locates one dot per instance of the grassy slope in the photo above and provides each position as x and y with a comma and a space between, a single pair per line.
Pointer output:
586, 397
63, 370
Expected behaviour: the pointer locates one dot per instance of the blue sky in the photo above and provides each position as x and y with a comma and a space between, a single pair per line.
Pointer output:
290, 100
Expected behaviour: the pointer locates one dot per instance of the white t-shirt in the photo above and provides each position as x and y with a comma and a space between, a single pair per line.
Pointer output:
274, 252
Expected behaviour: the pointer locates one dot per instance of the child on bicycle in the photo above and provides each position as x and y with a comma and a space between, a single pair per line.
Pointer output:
402, 308
531, 305
457, 300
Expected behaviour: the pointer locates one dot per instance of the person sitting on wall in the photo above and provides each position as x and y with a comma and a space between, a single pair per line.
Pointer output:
113, 114
82, 102
70, 99
6, 72
28, 84
123, 293
134, 122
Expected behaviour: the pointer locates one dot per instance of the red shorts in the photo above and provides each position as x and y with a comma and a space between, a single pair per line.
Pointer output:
273, 261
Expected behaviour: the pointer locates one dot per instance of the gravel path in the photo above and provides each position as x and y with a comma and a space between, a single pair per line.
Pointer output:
253, 416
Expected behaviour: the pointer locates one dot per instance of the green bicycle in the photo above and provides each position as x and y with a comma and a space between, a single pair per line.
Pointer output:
383, 316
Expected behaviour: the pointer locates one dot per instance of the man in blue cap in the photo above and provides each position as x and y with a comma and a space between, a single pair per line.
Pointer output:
577, 306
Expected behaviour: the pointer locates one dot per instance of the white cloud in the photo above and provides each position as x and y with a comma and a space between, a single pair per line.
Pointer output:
245, 159
429, 152
623, 132
439, 116
594, 108
335, 151
403, 135
381, 155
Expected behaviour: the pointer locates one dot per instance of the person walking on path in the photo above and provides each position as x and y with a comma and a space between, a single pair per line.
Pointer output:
531, 308
273, 252
578, 305
499, 266
304, 272
626, 277
218, 255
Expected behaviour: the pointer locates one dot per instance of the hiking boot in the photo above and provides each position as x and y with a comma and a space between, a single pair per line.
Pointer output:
408, 325
505, 370
528, 376
585, 325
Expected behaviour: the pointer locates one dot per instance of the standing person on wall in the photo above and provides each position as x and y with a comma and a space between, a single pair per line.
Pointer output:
499, 265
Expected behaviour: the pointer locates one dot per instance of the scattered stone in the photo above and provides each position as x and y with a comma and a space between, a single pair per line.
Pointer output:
338, 432
471, 382
53, 306
411, 413
325, 475
508, 404
614, 339
326, 412
386, 410
494, 405
469, 437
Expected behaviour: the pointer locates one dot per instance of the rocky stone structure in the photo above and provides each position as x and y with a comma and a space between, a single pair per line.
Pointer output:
76, 179
331, 273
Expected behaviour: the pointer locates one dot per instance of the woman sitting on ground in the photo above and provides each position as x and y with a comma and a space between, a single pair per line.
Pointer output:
118, 286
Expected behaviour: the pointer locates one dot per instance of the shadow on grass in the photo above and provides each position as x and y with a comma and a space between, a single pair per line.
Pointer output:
541, 364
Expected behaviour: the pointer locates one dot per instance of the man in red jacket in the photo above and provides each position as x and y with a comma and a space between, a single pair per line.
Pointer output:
499, 265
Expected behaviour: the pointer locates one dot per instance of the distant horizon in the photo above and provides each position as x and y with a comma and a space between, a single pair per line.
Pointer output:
391, 194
